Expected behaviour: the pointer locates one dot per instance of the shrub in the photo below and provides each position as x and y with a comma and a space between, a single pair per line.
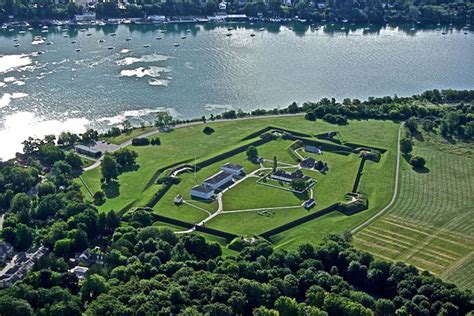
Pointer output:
335, 119
417, 162
156, 141
99, 198
406, 145
140, 141
208, 130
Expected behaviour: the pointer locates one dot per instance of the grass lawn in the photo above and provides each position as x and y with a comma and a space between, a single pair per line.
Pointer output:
135, 188
430, 225
127, 136
251, 223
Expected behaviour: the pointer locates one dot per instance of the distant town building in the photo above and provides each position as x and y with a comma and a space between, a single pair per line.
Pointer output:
85, 17
156, 18
218, 180
233, 169
203, 192
222, 6
6, 251
18, 267
88, 151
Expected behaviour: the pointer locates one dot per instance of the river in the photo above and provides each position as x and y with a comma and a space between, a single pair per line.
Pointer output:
100, 76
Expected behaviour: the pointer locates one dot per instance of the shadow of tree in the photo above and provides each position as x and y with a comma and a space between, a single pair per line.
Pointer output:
422, 170
111, 189
131, 168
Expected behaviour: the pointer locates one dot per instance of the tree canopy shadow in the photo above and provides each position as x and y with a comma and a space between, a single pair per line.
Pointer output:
111, 189
421, 170
129, 168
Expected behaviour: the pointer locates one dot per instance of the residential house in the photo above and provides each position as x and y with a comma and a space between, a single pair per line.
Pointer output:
89, 257
79, 271
6, 252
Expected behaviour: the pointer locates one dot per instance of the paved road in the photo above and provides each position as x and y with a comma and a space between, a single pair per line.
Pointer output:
148, 134
395, 192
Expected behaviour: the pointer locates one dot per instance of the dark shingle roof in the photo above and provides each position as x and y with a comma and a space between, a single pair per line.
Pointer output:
218, 177
202, 188
234, 166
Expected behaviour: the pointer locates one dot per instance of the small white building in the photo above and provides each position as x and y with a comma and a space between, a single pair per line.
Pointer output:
233, 169
222, 6
79, 271
218, 180
309, 203
312, 149
156, 18
202, 192
178, 199
85, 17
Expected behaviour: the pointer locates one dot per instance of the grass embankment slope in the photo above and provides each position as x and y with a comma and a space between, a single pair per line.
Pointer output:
431, 223
185, 144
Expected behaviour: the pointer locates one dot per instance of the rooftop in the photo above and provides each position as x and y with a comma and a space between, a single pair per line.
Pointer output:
89, 149
202, 188
218, 177
233, 166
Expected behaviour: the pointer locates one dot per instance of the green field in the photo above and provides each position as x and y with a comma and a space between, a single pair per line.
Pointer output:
430, 225
186, 145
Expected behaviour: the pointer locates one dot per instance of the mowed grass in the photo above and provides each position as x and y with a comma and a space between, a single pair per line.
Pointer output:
186, 144
377, 182
431, 223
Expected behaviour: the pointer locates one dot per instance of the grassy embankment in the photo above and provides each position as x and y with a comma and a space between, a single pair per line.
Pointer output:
431, 223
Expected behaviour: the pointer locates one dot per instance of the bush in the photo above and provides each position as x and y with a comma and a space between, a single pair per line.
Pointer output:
418, 162
156, 141
406, 145
208, 130
140, 141
99, 198
335, 119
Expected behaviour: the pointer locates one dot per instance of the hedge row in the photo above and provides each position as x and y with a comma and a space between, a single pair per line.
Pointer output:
291, 150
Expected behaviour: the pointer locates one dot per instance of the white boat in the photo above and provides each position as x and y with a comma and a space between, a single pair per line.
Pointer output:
89, 34
73, 42
78, 50
159, 37
22, 32
113, 34
252, 35
228, 34
183, 37
261, 29
82, 30
176, 44
110, 47
188, 31
65, 36
17, 45
146, 45
49, 43
128, 39
101, 41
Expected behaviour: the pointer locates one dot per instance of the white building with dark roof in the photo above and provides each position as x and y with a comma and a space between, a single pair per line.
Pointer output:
312, 149
218, 180
202, 192
233, 169
79, 271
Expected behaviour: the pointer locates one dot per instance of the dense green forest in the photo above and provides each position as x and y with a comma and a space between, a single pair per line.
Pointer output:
362, 11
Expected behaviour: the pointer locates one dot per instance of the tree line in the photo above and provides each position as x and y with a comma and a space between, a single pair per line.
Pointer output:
318, 11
